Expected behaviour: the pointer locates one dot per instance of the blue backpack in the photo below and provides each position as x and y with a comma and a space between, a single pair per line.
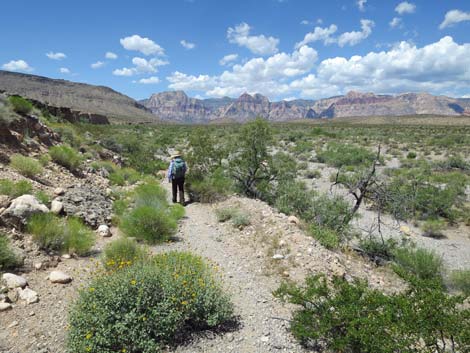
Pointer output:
179, 168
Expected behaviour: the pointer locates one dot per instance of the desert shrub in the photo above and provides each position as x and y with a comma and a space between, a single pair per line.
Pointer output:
312, 174
123, 176
212, 188
331, 212
153, 225
241, 220
460, 280
411, 155
144, 307
78, 238
65, 235
377, 249
327, 237
350, 317
15, 189
433, 228
8, 258
177, 211
339, 155
20, 105
123, 252
225, 214
150, 194
43, 197
453, 162
66, 156
109, 166
293, 198
44, 159
422, 263
27, 166
69, 134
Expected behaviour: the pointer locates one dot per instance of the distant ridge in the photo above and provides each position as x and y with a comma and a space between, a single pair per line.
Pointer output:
80, 97
176, 106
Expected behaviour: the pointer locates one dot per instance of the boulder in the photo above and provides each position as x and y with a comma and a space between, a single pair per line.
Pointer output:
104, 231
21, 209
59, 277
13, 281
293, 220
57, 207
28, 295
5, 306
59, 191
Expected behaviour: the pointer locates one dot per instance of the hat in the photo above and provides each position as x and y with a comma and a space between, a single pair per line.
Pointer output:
176, 154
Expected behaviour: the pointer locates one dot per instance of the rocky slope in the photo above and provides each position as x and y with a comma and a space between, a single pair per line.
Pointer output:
76, 101
178, 107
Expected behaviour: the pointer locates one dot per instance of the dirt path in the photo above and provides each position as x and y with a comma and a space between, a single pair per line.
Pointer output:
263, 327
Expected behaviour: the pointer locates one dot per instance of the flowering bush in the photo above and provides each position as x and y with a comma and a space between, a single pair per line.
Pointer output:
143, 307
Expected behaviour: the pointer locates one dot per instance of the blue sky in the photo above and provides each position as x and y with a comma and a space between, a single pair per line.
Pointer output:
281, 48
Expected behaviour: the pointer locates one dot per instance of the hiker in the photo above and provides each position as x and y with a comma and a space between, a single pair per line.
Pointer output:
176, 173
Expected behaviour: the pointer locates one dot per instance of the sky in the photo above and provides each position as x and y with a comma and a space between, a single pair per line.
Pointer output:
284, 49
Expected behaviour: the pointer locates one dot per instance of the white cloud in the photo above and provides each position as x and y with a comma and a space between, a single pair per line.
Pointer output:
256, 75
124, 72
110, 55
355, 37
228, 59
261, 44
56, 56
395, 22
97, 65
361, 4
144, 45
64, 70
149, 81
187, 45
405, 7
454, 16
17, 65
319, 33
141, 66
305, 22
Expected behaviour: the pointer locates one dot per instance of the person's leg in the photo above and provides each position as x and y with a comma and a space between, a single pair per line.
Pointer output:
181, 190
174, 186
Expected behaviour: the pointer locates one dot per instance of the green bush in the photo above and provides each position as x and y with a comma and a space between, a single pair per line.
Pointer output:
144, 307
66, 156
241, 220
20, 105
123, 252
123, 176
350, 317
411, 155
65, 235
109, 166
422, 263
378, 249
225, 214
330, 212
12, 189
339, 155
460, 280
212, 188
293, 198
29, 167
8, 258
326, 236
44, 159
433, 228
43, 197
154, 225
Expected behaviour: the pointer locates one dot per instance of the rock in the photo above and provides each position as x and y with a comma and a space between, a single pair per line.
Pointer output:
59, 191
66, 256
278, 257
37, 266
13, 281
57, 207
22, 208
13, 295
104, 231
28, 295
406, 230
5, 307
293, 220
59, 277
4, 201
3, 289
13, 324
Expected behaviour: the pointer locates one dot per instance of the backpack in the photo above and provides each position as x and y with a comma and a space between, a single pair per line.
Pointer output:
179, 168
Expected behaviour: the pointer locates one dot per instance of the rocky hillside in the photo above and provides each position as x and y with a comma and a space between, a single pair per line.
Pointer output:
75, 100
177, 106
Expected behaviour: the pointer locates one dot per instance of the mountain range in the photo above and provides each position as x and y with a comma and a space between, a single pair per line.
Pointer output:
176, 106
100, 104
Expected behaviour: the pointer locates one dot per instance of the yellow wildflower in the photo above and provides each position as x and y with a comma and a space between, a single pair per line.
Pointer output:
184, 302
133, 282
91, 289
89, 335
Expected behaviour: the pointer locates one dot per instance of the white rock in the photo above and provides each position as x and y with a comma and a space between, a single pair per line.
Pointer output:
22, 207
66, 256
5, 306
59, 191
29, 296
37, 266
293, 219
104, 230
13, 281
56, 206
13, 324
59, 277
278, 257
